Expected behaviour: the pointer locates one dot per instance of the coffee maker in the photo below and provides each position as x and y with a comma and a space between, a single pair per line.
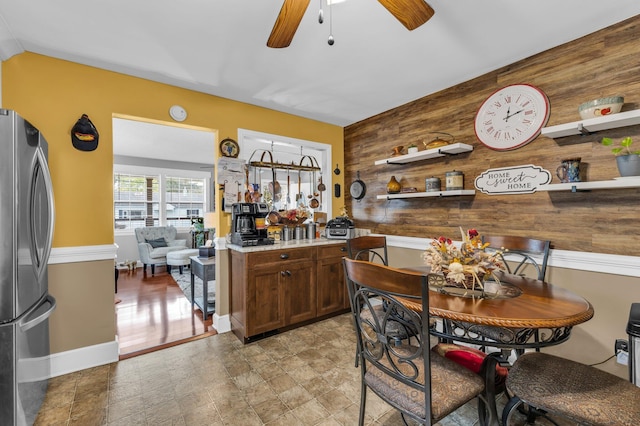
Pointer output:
248, 227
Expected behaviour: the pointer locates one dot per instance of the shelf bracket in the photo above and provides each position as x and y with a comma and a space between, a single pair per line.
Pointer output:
582, 130
574, 189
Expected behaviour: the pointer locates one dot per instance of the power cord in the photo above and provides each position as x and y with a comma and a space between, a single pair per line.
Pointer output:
602, 362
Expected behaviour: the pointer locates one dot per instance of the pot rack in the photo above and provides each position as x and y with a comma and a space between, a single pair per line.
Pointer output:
307, 163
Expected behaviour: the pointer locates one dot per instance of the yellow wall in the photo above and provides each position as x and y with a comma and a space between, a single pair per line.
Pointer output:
52, 94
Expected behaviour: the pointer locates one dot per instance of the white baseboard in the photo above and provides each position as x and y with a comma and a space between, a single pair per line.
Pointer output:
83, 358
222, 323
585, 261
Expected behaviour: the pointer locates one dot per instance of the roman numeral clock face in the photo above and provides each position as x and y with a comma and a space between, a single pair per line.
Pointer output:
512, 117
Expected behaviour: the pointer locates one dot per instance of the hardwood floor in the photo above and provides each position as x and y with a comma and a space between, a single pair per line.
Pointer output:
154, 314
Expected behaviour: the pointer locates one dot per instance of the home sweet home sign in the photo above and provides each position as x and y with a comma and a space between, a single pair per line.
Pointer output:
523, 179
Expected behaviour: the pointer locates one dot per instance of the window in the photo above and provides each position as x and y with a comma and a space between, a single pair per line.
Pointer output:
146, 196
136, 200
184, 200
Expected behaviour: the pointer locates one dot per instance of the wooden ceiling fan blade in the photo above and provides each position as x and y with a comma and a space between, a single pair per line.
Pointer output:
287, 23
411, 13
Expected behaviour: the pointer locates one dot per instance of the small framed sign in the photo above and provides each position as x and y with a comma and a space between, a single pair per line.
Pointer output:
512, 180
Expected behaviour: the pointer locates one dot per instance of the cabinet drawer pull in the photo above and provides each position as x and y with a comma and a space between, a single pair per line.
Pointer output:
343, 249
284, 256
286, 273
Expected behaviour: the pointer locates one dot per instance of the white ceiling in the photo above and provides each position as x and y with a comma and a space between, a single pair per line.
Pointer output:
162, 142
219, 46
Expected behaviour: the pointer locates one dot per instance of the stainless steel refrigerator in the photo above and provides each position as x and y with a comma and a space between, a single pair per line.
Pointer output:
26, 231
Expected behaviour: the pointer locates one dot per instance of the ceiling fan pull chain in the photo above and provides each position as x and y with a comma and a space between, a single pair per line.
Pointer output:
321, 14
331, 39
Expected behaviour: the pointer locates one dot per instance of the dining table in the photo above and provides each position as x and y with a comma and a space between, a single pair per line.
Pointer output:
513, 311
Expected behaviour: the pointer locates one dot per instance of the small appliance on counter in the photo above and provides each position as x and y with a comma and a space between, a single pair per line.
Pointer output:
340, 228
248, 227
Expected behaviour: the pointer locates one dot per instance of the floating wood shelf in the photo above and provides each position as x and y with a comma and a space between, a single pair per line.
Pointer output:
613, 121
620, 183
454, 148
452, 193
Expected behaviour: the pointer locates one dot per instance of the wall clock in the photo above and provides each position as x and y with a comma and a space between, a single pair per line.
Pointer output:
512, 117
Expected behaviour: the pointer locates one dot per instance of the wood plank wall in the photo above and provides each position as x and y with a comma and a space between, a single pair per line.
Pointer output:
605, 63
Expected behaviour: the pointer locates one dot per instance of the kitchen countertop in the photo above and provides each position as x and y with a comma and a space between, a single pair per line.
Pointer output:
278, 245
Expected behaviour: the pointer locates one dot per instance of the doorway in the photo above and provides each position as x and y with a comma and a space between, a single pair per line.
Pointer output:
153, 312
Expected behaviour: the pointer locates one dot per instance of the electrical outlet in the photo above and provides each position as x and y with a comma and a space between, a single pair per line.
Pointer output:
622, 358
621, 346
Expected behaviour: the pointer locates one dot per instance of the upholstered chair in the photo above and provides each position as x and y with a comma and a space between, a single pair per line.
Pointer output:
154, 242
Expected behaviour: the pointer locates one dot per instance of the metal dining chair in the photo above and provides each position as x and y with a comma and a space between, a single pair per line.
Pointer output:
521, 256
372, 248
405, 373
548, 384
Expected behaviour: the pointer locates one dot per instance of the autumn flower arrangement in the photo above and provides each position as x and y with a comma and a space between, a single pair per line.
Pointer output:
466, 265
294, 216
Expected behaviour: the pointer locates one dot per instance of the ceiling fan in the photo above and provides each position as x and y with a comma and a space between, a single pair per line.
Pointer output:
411, 13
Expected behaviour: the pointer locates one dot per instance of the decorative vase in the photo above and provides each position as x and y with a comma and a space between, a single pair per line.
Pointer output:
393, 187
628, 165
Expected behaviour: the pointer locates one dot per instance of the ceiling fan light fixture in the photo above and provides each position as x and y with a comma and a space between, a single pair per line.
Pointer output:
287, 23
411, 13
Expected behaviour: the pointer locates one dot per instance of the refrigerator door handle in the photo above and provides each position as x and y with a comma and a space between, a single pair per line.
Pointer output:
26, 322
41, 254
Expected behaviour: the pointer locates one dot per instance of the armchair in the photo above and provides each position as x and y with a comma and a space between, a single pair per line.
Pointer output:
154, 242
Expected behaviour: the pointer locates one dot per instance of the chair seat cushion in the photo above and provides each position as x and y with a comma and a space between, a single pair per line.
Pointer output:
181, 257
580, 392
451, 387
470, 358
161, 252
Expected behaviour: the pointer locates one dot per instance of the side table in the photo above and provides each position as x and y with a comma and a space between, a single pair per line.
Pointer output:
205, 269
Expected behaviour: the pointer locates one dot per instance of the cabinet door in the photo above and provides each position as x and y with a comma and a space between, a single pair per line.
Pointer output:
331, 286
332, 290
265, 309
299, 283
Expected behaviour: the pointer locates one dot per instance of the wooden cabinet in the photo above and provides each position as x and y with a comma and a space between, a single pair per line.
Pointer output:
271, 289
332, 290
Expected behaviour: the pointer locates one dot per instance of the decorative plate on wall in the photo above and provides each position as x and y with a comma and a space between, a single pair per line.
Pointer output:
229, 148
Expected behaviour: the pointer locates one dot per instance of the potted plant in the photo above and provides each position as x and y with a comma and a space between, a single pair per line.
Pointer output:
627, 159
412, 148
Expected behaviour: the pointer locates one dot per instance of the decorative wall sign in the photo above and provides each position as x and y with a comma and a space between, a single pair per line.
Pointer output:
512, 180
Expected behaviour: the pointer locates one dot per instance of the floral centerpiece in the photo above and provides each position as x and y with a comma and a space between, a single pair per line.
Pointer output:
467, 265
294, 216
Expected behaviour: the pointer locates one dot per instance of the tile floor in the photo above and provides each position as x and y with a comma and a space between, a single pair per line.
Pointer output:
304, 376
